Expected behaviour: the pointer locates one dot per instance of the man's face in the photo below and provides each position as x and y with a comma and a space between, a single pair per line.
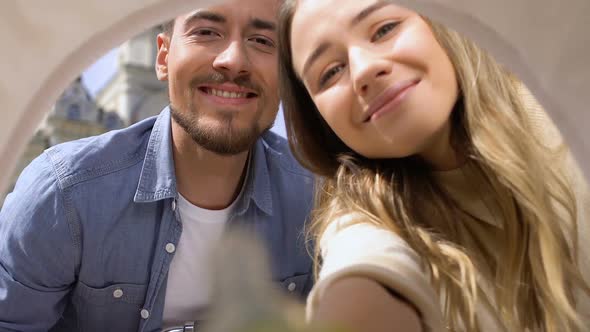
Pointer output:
221, 67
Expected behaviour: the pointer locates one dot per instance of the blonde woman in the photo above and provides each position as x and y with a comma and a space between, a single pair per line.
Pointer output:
447, 201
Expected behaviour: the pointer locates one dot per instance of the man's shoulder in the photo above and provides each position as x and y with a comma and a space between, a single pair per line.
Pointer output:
95, 156
277, 147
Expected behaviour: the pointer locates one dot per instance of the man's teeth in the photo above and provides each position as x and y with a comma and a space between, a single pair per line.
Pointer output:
226, 94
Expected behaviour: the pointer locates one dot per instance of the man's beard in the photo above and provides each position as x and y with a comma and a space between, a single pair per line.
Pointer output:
220, 138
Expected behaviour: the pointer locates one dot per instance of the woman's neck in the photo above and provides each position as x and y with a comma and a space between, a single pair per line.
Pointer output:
440, 153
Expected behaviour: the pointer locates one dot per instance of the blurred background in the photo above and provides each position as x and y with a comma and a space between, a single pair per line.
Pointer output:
118, 90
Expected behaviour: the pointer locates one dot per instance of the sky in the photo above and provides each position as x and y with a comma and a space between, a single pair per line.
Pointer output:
99, 73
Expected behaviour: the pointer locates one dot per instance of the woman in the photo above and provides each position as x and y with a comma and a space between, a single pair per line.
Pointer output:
447, 200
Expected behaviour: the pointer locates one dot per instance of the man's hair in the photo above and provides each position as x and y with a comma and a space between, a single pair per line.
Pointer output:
168, 27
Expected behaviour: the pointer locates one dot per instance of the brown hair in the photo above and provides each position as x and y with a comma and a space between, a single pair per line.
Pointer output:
168, 27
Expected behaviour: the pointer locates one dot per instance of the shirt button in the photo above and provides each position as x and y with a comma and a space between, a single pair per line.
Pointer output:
118, 293
291, 287
145, 314
170, 248
174, 205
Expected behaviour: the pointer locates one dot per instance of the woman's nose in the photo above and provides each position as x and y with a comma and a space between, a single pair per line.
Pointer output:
365, 68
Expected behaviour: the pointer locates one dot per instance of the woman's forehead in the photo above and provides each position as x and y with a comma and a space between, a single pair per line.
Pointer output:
313, 11
312, 22
317, 24
322, 18
316, 21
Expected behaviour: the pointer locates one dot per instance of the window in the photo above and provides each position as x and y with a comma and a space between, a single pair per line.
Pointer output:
73, 112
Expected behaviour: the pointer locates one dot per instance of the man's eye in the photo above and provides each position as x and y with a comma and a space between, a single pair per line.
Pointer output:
384, 30
329, 74
263, 41
205, 33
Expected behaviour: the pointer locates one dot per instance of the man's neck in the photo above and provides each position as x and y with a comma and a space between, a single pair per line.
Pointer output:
206, 179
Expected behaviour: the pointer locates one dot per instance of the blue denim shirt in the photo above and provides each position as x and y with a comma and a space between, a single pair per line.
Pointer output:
93, 216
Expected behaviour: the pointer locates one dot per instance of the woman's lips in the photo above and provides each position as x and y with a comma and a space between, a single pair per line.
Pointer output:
390, 99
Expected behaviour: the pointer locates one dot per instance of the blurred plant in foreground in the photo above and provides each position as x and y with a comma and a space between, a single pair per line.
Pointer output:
244, 298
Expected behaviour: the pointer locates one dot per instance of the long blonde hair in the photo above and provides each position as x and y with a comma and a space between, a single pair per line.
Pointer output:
534, 285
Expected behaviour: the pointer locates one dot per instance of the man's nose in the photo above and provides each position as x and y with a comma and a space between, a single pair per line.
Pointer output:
365, 68
233, 60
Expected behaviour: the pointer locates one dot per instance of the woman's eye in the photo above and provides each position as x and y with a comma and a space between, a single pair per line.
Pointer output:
329, 74
384, 30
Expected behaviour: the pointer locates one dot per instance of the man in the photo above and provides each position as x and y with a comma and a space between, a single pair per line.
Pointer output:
113, 233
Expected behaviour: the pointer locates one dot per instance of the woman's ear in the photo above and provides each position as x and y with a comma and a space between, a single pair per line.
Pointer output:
163, 41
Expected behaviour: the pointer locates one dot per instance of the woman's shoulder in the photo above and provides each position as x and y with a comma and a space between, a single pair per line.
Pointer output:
354, 246
542, 126
352, 242
549, 136
354, 231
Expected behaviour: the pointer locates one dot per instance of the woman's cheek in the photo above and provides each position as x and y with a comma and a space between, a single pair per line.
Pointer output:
334, 108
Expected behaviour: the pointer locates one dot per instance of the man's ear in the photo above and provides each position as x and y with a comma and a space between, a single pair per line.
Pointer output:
163, 41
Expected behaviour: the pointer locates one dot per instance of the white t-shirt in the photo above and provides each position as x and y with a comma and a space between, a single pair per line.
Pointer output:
189, 283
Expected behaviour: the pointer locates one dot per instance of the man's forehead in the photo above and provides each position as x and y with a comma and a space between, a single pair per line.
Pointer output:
234, 9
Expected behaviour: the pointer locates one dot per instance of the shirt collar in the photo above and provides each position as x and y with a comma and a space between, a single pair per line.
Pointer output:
158, 180
257, 188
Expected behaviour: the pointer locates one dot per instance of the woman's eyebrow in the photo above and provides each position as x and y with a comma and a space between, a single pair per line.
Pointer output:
314, 56
366, 12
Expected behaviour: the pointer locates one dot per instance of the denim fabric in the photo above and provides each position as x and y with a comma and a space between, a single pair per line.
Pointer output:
83, 234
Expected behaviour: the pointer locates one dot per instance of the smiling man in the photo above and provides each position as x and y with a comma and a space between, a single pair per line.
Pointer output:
114, 232
222, 74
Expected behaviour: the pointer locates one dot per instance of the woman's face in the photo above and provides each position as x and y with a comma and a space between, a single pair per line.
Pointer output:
377, 75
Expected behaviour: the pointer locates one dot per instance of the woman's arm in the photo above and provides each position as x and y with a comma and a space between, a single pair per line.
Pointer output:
362, 304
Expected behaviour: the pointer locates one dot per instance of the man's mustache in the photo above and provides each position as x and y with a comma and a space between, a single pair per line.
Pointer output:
243, 81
